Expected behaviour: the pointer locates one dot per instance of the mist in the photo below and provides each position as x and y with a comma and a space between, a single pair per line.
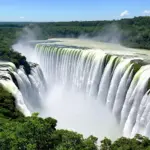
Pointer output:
110, 33
77, 112
23, 46
72, 109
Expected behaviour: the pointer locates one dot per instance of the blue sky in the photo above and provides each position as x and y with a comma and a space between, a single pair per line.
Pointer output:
68, 10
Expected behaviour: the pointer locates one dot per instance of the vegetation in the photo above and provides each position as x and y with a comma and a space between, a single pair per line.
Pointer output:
16, 58
129, 32
7, 106
8, 36
133, 32
137, 143
35, 133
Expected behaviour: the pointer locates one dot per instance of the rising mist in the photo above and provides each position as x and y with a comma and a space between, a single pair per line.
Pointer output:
110, 33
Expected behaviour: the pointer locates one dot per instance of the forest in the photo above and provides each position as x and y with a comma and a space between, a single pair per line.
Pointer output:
133, 32
35, 133
128, 32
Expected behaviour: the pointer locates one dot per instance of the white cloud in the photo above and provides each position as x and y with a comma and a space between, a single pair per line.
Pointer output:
21, 17
146, 12
124, 13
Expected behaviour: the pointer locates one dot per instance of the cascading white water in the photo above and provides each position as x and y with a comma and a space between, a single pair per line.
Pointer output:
8, 84
80, 84
28, 96
32, 87
112, 80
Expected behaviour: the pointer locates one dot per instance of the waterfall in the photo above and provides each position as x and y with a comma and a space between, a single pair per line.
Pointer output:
96, 80
8, 84
121, 83
31, 88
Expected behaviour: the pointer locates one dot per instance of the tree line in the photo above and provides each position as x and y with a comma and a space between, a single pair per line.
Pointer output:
134, 32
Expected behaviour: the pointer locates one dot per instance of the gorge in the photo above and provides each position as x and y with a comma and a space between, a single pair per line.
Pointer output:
106, 90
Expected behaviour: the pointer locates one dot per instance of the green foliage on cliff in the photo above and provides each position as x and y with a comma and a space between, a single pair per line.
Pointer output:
7, 106
8, 36
16, 58
137, 143
35, 133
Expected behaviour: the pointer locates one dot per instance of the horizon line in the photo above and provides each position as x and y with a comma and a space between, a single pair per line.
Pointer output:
25, 21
